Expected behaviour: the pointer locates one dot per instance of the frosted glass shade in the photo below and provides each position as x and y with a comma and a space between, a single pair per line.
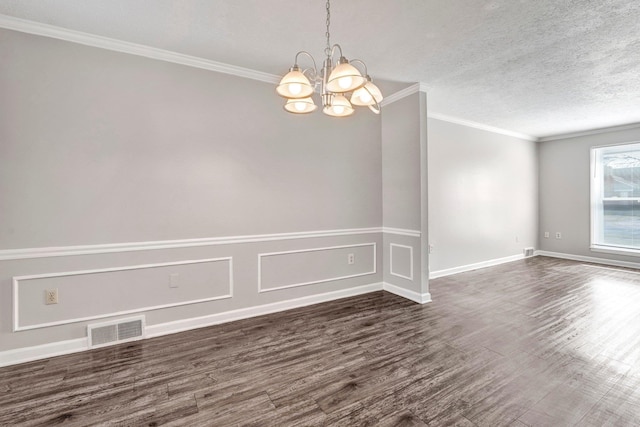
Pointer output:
300, 105
340, 107
367, 95
294, 85
345, 78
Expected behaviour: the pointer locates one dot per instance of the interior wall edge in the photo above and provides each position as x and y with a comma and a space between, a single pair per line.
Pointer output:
420, 298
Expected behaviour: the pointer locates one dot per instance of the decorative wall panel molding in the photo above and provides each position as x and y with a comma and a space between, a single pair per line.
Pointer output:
125, 290
58, 348
315, 265
393, 254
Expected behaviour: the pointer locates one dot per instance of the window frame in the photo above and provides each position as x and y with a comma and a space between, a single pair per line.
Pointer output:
596, 198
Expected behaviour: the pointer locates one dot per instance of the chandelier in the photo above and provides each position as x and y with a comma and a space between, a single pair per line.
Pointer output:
341, 86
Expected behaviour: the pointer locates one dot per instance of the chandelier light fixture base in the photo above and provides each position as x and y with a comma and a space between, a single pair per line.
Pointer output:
341, 87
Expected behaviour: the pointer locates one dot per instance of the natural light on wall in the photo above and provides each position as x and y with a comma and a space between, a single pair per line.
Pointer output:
615, 198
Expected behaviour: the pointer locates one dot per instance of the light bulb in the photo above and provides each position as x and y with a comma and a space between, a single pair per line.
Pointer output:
345, 82
299, 106
365, 97
295, 88
338, 109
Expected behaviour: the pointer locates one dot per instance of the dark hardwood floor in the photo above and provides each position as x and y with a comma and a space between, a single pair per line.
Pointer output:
535, 342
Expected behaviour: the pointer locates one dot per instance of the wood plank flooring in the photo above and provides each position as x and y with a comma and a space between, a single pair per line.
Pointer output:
538, 342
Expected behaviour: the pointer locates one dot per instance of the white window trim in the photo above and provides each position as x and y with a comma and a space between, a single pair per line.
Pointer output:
596, 209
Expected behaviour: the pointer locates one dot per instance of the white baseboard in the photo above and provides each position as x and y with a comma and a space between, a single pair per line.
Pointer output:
594, 260
475, 266
408, 294
244, 313
28, 354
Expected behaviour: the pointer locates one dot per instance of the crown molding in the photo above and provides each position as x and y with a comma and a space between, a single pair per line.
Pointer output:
87, 39
422, 87
589, 132
397, 96
481, 126
46, 30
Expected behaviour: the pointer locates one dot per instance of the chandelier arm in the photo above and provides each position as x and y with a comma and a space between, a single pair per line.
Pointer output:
333, 49
359, 61
378, 108
312, 74
315, 67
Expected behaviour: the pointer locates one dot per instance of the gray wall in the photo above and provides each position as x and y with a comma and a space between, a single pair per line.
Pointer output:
403, 157
482, 195
401, 163
565, 192
99, 147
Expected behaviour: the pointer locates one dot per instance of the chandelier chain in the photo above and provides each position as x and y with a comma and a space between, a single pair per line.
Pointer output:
327, 50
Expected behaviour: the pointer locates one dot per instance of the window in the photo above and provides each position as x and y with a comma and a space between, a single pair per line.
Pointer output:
615, 198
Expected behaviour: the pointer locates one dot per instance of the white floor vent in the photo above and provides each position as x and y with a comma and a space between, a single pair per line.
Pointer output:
528, 252
116, 332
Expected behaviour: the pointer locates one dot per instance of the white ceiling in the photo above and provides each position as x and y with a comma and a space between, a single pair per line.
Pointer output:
538, 67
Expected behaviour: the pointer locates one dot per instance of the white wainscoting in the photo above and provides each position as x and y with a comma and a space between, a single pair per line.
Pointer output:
40, 351
391, 269
18, 281
401, 232
29, 253
314, 281
27, 354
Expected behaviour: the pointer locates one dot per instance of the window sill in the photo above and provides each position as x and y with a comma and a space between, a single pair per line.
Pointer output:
616, 251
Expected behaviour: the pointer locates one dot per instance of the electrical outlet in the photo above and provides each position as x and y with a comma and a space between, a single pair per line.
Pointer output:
351, 259
431, 248
546, 234
51, 296
558, 235
517, 239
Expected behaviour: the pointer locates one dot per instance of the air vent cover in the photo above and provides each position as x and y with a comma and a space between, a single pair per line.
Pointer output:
116, 332
528, 252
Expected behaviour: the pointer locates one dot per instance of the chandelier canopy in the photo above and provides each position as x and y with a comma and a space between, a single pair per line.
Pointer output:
341, 86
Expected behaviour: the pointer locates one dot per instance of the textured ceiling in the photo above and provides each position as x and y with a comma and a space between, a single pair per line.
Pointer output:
540, 67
